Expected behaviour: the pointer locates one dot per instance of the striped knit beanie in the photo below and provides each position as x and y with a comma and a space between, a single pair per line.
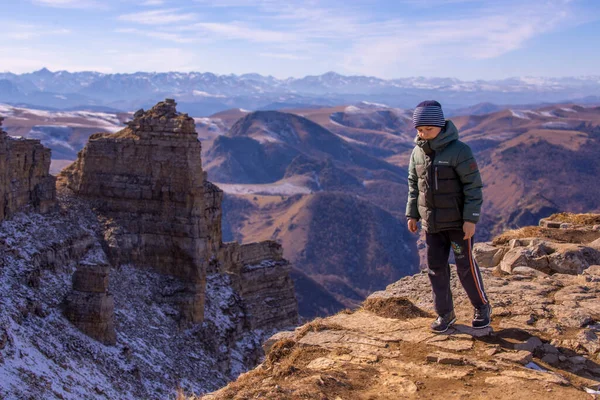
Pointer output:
429, 113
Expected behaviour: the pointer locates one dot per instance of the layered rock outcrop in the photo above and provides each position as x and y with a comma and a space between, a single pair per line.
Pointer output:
262, 277
555, 246
160, 212
24, 175
90, 306
147, 182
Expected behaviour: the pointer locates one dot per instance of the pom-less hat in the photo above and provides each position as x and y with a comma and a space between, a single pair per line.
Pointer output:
429, 113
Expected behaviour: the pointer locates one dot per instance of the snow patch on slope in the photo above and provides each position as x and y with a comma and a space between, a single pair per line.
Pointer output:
519, 114
45, 356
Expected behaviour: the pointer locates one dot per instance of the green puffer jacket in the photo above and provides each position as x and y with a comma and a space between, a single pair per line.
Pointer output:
444, 184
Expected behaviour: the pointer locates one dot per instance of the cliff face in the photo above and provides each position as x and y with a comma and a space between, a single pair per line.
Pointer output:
148, 184
543, 342
160, 212
24, 176
125, 289
59, 309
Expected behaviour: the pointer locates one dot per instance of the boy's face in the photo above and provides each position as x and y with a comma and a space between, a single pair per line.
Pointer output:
428, 132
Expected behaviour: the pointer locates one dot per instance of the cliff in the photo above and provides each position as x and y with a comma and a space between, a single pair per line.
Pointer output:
160, 212
543, 342
125, 289
24, 176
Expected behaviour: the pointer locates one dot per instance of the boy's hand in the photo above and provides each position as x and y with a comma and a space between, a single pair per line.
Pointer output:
468, 229
412, 225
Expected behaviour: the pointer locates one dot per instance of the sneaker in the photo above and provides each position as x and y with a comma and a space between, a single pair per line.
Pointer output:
443, 322
482, 316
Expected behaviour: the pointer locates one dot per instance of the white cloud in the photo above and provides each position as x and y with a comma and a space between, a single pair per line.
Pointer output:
428, 44
168, 36
71, 3
158, 17
284, 56
153, 3
27, 31
236, 30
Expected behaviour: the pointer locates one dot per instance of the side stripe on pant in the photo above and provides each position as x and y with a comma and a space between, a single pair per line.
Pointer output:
476, 274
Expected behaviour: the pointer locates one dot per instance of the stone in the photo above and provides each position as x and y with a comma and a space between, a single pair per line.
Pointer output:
321, 364
25, 178
551, 359
487, 255
537, 376
549, 224
577, 360
399, 385
549, 349
530, 345
455, 345
516, 257
573, 259
592, 270
520, 357
445, 358
588, 339
527, 271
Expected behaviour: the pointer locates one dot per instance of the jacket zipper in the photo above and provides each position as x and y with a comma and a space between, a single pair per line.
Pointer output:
432, 196
436, 179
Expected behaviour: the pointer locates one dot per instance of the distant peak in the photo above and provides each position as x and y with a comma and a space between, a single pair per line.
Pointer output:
44, 71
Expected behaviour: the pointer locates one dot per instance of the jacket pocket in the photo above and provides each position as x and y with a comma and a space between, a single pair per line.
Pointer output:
436, 179
457, 207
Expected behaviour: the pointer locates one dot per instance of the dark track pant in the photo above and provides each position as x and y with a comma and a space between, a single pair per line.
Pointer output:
438, 251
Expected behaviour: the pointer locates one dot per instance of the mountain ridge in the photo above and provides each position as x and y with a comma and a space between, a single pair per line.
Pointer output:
205, 93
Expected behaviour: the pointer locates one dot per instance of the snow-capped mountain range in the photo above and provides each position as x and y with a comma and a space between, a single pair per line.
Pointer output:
206, 93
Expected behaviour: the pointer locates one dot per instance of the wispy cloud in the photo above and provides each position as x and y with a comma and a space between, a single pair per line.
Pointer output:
83, 4
284, 56
237, 30
158, 17
491, 33
167, 36
27, 31
152, 3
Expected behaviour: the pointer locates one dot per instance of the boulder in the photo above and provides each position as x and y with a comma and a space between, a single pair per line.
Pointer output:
487, 255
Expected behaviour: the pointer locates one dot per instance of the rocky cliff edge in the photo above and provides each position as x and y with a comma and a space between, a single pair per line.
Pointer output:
543, 342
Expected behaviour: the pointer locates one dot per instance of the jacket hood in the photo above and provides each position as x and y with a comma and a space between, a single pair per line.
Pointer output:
448, 134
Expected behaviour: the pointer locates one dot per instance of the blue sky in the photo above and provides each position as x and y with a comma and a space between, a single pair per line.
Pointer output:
467, 39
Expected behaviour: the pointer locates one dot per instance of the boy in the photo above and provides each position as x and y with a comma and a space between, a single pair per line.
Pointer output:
445, 194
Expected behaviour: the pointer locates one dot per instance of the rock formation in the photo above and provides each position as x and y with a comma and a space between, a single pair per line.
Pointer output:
53, 292
160, 212
132, 254
147, 181
90, 306
24, 175
262, 277
554, 246
543, 342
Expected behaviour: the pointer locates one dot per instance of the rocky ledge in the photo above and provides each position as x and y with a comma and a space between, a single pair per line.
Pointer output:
24, 176
543, 343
